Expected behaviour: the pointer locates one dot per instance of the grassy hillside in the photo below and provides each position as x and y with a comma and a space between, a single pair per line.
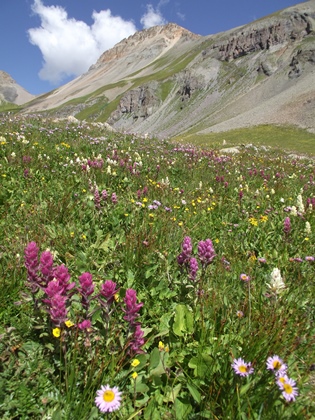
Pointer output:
278, 137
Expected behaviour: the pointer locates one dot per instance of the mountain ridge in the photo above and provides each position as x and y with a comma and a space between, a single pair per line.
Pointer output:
167, 81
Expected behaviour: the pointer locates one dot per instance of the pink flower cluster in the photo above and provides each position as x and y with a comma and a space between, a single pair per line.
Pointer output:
206, 255
131, 314
54, 281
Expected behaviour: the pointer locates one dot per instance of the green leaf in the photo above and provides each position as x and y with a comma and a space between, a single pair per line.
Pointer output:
181, 409
155, 358
172, 393
130, 279
183, 320
194, 392
244, 389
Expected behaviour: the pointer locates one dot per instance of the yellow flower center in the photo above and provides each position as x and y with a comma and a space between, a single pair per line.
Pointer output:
276, 364
288, 388
282, 380
108, 396
242, 368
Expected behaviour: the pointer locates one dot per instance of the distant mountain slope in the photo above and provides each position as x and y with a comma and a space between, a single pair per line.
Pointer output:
168, 81
11, 92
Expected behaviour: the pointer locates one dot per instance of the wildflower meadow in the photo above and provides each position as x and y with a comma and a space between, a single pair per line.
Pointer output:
142, 278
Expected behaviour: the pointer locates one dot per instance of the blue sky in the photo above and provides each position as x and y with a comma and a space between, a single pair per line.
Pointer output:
46, 43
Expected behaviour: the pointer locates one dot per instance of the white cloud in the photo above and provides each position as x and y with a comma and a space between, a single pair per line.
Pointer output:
153, 17
69, 47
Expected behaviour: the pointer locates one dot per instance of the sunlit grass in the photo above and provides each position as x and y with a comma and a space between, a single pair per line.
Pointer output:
283, 138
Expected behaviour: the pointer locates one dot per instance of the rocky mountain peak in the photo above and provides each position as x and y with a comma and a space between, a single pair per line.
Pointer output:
156, 37
11, 92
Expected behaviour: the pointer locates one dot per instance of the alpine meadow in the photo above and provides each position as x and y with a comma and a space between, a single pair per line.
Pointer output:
157, 230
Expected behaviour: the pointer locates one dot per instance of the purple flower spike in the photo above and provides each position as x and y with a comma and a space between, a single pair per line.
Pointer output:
86, 282
185, 255
61, 274
31, 263
287, 225
137, 340
84, 325
58, 310
132, 307
108, 291
46, 265
206, 252
114, 198
53, 289
193, 268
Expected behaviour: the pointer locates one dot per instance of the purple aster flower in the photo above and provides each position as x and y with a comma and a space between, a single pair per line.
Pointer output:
244, 277
276, 364
289, 390
108, 399
242, 368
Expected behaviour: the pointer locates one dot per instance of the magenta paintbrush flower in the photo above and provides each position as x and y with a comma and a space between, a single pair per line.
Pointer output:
132, 307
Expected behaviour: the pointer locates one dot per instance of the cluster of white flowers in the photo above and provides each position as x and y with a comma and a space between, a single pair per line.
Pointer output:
111, 162
276, 284
307, 229
299, 204
165, 181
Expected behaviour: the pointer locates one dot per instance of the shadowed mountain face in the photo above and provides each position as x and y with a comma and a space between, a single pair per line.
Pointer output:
11, 92
167, 81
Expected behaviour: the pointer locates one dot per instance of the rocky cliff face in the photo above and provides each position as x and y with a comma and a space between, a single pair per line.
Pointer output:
281, 29
11, 92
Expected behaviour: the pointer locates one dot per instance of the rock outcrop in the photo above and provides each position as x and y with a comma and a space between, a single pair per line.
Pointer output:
140, 103
11, 92
281, 29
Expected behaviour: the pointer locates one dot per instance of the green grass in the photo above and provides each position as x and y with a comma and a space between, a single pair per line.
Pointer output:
287, 138
8, 107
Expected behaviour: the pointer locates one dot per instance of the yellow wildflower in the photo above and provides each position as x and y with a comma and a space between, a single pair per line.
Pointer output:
69, 323
56, 332
134, 375
135, 363
253, 221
